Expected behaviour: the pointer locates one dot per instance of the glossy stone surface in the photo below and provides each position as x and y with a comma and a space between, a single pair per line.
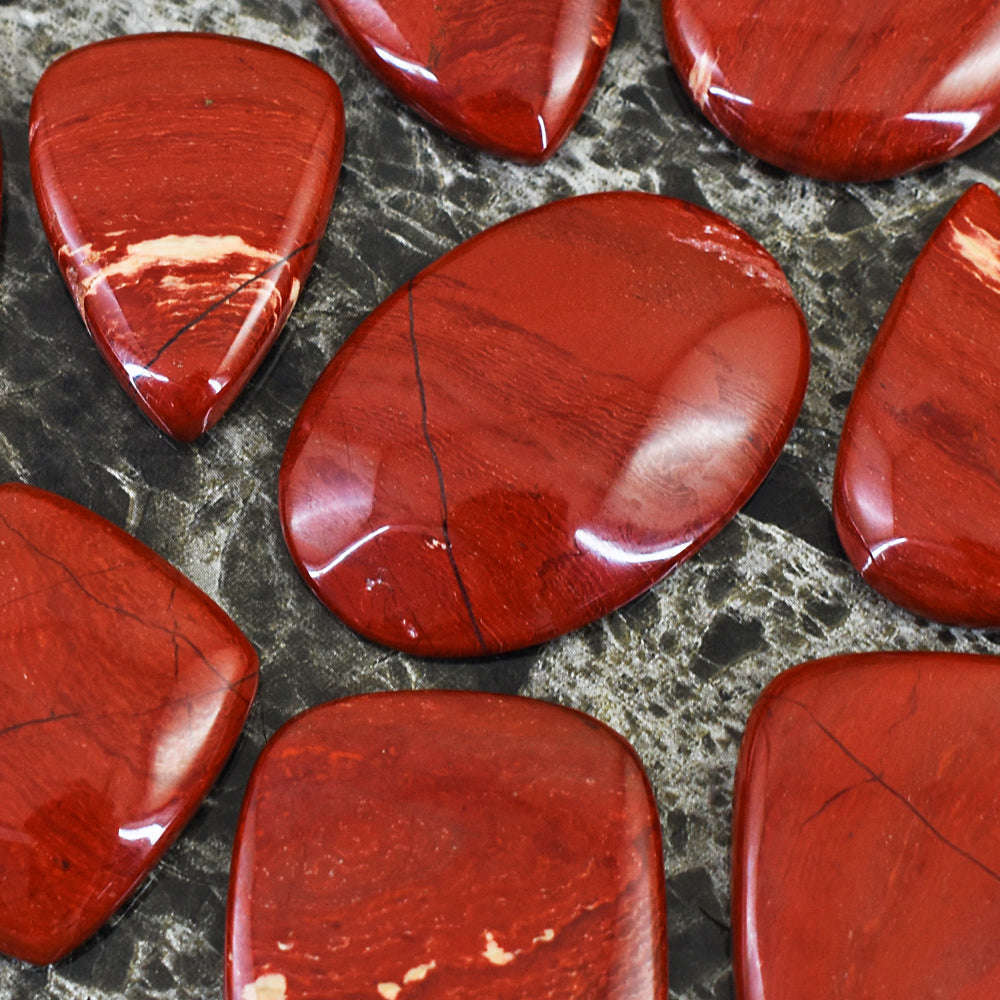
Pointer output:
845, 90
511, 76
184, 182
541, 424
447, 844
123, 689
917, 488
866, 838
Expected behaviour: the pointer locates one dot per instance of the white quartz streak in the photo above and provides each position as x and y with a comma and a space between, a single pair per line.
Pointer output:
700, 78
272, 986
174, 252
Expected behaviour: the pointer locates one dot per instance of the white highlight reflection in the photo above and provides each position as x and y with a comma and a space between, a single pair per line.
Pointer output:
967, 121
543, 131
186, 729
614, 553
753, 823
151, 833
976, 69
406, 65
136, 372
880, 550
729, 95
350, 550
570, 45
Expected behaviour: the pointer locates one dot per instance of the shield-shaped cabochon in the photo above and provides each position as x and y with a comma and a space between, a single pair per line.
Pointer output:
510, 76
184, 182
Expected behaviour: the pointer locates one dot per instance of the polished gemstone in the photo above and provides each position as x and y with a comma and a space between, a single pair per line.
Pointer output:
123, 689
917, 487
847, 90
447, 844
542, 423
184, 182
511, 76
866, 839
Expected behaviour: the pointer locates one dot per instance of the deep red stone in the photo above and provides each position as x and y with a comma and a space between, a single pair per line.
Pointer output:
447, 844
123, 689
184, 182
847, 90
542, 424
511, 76
917, 486
866, 840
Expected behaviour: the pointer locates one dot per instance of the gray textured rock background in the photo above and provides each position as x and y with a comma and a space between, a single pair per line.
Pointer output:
676, 672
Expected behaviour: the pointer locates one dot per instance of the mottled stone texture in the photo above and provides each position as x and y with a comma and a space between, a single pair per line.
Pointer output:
675, 672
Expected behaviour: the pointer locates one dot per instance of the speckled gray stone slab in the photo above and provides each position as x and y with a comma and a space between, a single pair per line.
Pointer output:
675, 672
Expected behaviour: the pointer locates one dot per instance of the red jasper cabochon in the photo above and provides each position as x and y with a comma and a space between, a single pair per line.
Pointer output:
846, 90
447, 844
542, 423
123, 689
917, 486
866, 838
184, 181
511, 76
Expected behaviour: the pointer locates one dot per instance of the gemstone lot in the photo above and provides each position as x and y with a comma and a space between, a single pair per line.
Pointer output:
676, 672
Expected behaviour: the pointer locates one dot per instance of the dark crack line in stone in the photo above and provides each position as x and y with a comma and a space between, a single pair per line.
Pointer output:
157, 709
833, 798
225, 298
14, 727
75, 579
882, 783
440, 474
232, 685
118, 609
55, 586
177, 648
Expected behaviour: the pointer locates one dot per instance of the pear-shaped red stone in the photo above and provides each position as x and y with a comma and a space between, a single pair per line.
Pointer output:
447, 844
866, 831
543, 423
917, 486
511, 76
123, 689
847, 90
184, 182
